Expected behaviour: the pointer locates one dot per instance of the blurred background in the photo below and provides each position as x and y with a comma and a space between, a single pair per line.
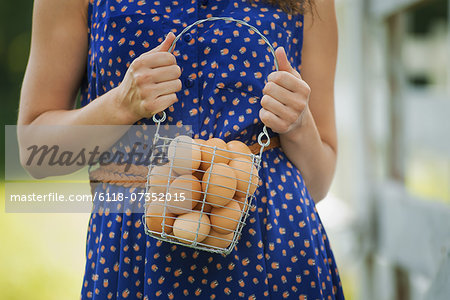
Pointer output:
388, 214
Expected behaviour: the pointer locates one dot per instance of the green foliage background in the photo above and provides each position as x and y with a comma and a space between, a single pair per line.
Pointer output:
41, 255
15, 36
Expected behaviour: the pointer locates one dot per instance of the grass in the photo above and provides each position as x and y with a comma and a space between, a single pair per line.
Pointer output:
41, 255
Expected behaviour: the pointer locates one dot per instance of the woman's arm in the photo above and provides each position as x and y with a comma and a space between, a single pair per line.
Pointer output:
56, 66
301, 108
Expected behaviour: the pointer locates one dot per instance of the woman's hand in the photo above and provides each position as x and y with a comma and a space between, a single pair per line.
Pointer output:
285, 98
50, 88
150, 83
305, 119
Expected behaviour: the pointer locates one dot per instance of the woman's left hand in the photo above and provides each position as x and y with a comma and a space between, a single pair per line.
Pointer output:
285, 97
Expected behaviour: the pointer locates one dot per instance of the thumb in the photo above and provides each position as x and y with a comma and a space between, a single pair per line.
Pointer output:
165, 45
283, 62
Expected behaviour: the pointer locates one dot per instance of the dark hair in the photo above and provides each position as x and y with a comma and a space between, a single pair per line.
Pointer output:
293, 7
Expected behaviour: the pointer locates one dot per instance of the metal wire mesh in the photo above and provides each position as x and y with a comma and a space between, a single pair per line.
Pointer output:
180, 209
201, 201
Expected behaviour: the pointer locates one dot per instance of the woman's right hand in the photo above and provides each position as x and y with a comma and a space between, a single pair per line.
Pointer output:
50, 88
150, 83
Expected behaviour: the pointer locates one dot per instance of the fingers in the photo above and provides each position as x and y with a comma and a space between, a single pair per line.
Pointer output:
273, 121
277, 108
159, 104
278, 92
155, 60
165, 45
167, 100
163, 88
286, 80
163, 64
151, 81
287, 89
157, 97
168, 87
285, 97
158, 57
283, 62
166, 73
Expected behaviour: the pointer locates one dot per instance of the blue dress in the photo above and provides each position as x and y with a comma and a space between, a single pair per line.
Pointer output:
284, 251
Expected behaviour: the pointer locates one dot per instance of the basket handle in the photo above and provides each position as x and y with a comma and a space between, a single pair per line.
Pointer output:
211, 19
264, 132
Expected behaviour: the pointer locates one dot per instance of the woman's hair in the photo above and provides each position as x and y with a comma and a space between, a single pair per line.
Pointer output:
293, 7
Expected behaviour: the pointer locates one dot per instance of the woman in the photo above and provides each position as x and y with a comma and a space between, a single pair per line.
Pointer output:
129, 76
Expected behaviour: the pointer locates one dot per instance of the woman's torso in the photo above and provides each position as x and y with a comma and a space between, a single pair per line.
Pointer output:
284, 250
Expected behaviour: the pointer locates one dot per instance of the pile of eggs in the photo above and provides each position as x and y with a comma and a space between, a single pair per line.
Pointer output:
201, 194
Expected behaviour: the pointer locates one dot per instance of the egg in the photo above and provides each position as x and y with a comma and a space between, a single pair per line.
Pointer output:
207, 208
187, 187
218, 240
220, 154
185, 227
155, 215
242, 201
160, 177
242, 150
225, 219
222, 184
199, 141
245, 171
184, 155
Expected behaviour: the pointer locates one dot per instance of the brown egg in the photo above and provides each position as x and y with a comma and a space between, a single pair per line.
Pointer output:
185, 187
238, 146
243, 203
245, 170
207, 208
218, 240
184, 156
225, 219
155, 215
160, 177
220, 155
199, 141
185, 227
222, 184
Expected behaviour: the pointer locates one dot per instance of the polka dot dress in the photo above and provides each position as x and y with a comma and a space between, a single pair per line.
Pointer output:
284, 251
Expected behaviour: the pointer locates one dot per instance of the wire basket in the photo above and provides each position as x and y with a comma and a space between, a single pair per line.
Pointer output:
200, 192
